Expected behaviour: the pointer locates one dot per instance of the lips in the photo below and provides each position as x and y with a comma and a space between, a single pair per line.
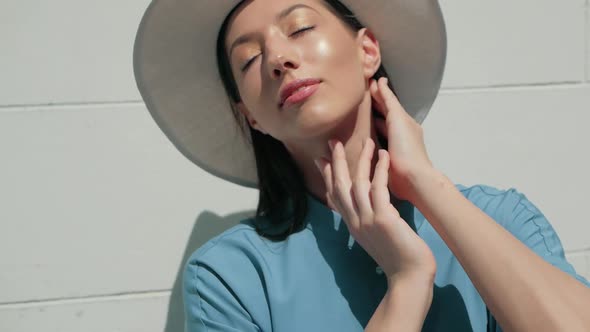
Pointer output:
293, 86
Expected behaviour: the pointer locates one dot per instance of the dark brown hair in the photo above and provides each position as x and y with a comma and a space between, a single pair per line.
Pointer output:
282, 204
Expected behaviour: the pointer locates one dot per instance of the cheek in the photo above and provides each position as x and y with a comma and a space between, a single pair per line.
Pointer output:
334, 57
323, 49
250, 89
332, 52
259, 106
323, 52
342, 69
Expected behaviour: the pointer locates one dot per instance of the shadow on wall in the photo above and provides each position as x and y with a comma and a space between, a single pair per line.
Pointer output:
206, 226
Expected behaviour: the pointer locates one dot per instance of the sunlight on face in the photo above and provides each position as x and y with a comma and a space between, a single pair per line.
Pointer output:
269, 50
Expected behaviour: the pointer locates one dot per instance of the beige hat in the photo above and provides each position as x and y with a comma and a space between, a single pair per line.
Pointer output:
175, 64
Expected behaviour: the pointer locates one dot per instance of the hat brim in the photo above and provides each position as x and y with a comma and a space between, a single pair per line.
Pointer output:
175, 66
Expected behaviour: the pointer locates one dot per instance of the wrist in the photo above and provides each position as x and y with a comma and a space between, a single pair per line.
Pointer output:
414, 280
415, 294
404, 306
423, 181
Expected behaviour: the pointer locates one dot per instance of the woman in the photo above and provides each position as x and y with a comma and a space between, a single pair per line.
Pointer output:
337, 157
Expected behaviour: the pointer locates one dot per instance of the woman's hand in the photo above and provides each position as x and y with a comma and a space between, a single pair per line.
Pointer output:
370, 217
405, 140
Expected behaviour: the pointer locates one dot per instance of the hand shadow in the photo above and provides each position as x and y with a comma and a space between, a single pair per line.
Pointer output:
207, 226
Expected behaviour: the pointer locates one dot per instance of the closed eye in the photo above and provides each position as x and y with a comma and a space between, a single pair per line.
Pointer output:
249, 63
296, 34
300, 31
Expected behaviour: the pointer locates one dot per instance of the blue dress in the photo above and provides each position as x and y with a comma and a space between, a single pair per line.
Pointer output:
319, 279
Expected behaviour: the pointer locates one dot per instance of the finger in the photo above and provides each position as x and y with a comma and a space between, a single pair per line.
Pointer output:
392, 105
342, 185
374, 89
389, 98
377, 98
379, 190
326, 170
362, 184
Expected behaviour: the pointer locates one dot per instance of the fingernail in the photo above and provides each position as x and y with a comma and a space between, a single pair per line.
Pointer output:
317, 163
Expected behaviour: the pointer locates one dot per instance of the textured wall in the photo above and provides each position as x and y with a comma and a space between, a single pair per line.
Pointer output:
99, 210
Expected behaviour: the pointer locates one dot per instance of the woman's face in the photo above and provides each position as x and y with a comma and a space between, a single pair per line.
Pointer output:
289, 40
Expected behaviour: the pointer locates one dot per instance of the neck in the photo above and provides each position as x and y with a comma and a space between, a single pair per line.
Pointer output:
354, 129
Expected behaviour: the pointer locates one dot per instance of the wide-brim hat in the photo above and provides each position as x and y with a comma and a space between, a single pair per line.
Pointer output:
175, 65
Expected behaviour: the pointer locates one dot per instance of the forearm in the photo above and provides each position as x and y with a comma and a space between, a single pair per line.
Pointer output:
523, 291
403, 308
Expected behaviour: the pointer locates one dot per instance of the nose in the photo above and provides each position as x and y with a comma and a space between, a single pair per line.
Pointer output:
281, 57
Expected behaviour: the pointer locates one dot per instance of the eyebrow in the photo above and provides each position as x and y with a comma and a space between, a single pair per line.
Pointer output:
284, 13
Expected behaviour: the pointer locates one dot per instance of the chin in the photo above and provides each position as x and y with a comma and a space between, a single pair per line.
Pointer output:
315, 120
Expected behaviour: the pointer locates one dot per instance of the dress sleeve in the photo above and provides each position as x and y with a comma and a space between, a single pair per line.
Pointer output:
527, 223
210, 304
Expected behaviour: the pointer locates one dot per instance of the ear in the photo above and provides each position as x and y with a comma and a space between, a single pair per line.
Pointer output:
244, 110
370, 52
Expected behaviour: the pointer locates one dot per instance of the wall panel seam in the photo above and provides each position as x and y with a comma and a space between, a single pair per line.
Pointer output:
86, 299
66, 106
491, 88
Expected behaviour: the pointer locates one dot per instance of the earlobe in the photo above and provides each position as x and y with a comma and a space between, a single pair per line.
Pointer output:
242, 108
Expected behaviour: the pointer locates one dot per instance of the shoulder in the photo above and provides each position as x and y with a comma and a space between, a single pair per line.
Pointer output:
523, 219
224, 281
500, 204
515, 212
484, 195
234, 247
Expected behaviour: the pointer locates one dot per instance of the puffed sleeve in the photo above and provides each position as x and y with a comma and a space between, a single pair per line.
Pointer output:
529, 225
209, 303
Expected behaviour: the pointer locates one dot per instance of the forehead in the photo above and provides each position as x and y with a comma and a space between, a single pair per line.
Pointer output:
254, 13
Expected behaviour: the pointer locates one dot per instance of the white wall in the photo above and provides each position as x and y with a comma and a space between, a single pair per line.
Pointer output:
99, 210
